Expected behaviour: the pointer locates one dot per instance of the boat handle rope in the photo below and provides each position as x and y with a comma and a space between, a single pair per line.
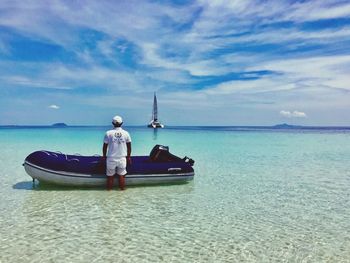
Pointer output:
50, 153
70, 160
65, 155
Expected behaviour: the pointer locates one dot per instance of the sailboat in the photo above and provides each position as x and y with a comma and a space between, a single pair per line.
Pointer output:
154, 122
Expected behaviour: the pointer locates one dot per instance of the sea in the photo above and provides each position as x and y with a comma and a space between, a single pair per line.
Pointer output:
259, 195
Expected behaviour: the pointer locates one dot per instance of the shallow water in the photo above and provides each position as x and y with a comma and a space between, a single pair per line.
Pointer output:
257, 196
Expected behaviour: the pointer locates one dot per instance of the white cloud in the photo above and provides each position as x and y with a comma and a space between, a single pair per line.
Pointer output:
264, 84
33, 82
330, 71
316, 10
293, 114
148, 33
60, 76
53, 106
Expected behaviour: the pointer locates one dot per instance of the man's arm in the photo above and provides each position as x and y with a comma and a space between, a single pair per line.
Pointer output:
104, 150
128, 157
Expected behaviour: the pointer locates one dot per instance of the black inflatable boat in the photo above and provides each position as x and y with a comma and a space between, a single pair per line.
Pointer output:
160, 167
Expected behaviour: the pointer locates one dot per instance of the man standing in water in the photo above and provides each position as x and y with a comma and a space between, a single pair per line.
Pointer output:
118, 143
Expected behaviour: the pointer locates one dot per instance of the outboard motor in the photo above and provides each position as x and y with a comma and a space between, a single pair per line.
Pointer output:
188, 160
160, 153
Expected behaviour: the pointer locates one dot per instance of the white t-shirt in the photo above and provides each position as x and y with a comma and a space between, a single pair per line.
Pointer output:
116, 140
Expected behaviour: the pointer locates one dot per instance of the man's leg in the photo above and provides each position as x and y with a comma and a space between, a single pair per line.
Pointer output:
121, 182
110, 182
110, 172
121, 171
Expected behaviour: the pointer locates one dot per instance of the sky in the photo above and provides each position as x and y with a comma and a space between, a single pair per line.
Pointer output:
210, 62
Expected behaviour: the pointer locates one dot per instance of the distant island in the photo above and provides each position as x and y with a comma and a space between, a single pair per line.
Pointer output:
59, 125
287, 126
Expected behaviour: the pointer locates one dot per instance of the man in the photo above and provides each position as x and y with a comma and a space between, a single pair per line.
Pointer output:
118, 143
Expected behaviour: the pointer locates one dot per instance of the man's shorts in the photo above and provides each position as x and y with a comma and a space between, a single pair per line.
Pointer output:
114, 166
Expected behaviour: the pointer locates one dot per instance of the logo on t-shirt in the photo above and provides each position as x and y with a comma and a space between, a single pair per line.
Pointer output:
118, 137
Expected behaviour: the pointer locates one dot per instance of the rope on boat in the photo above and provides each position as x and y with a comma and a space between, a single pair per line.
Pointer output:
65, 155
50, 153
70, 160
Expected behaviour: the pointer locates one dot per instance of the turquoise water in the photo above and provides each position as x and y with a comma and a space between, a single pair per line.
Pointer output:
257, 196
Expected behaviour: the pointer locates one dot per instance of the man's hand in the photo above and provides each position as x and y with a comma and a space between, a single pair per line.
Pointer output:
128, 160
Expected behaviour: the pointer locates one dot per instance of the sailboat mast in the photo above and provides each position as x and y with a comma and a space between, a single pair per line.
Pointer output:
155, 108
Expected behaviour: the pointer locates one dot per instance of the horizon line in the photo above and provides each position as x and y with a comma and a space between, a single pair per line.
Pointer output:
281, 126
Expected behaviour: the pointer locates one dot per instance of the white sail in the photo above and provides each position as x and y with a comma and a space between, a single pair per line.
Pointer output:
154, 122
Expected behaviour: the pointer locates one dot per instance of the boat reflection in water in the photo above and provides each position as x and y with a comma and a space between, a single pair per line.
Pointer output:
155, 134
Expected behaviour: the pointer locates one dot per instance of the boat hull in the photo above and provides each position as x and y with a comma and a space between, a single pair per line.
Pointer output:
95, 180
155, 125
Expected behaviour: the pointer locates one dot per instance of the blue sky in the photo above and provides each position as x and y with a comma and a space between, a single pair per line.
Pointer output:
245, 62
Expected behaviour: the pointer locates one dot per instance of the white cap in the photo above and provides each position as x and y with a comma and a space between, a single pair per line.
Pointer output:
117, 119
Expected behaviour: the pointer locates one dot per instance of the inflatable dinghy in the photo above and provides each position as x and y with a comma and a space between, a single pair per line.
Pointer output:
160, 167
